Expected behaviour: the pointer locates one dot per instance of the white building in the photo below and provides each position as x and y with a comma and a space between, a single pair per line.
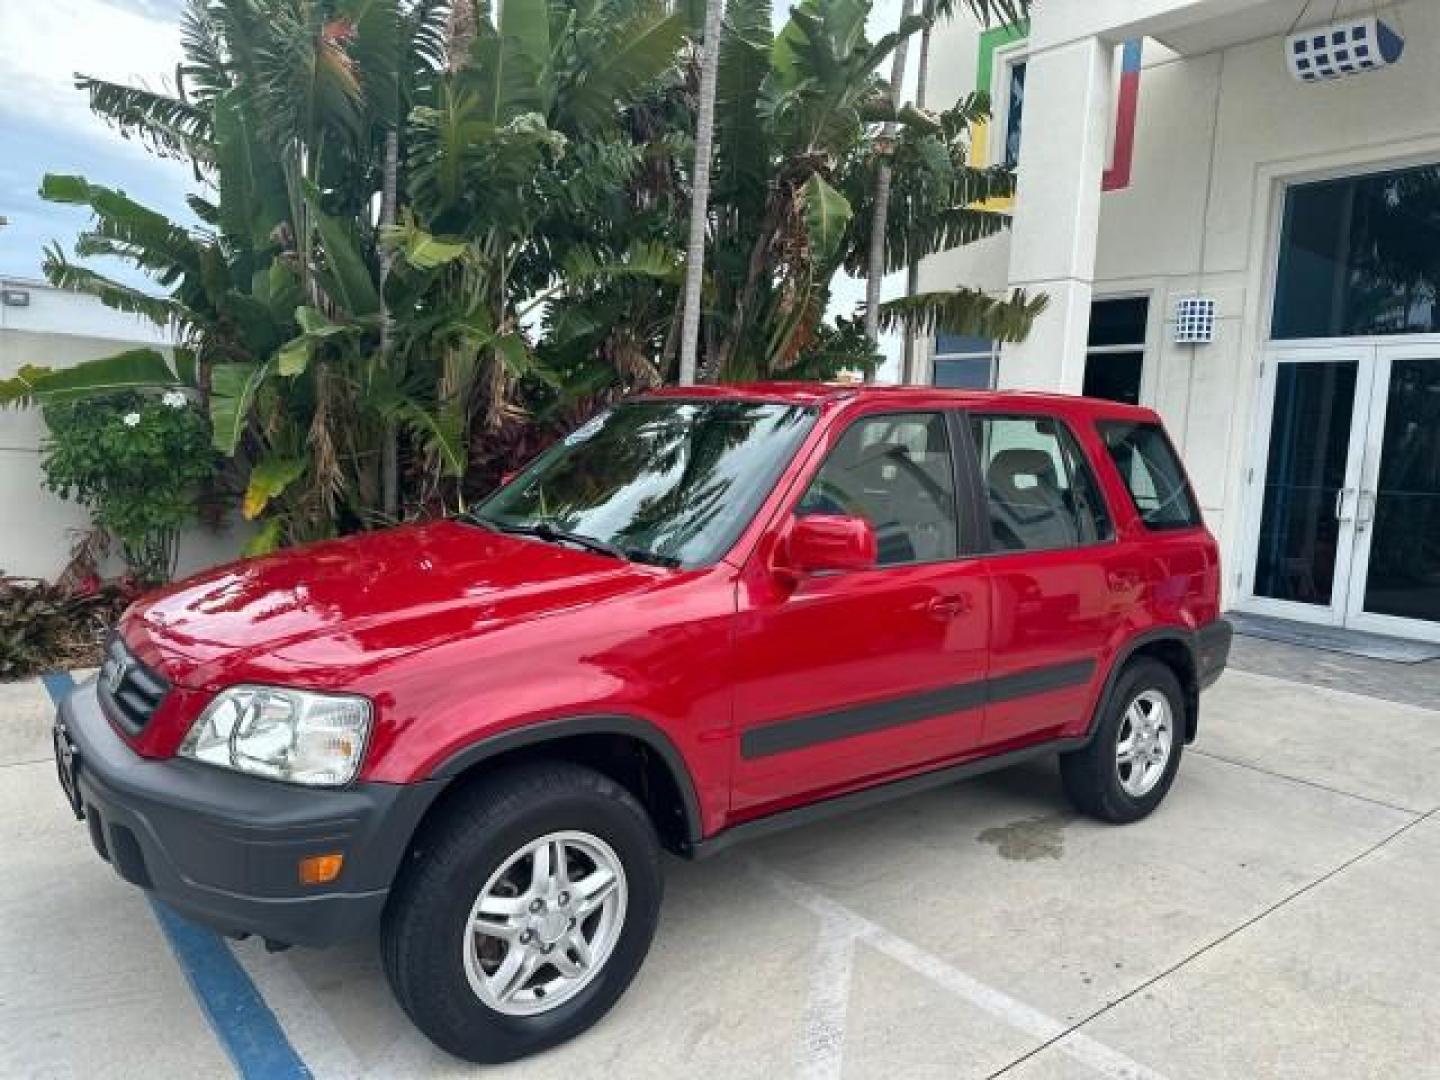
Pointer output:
1167, 151
53, 328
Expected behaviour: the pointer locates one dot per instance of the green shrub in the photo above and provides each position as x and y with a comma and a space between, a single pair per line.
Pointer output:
137, 463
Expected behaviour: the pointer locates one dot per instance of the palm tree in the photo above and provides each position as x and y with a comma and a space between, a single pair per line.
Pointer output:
700, 189
1010, 11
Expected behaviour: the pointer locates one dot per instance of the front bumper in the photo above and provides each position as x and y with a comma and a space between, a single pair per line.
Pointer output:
223, 848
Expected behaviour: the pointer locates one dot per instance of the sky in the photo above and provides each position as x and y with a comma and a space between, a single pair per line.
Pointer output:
46, 124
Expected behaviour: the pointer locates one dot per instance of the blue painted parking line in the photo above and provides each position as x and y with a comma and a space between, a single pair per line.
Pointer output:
244, 1024
248, 1029
58, 683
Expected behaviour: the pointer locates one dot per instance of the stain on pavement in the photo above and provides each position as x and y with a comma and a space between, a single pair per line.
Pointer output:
1029, 838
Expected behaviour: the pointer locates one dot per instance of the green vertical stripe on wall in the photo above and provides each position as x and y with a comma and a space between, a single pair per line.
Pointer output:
990, 40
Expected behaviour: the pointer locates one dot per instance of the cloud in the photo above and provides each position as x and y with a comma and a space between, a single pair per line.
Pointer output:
47, 42
46, 124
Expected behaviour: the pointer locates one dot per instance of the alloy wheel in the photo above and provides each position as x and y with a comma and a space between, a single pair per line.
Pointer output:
545, 923
1143, 744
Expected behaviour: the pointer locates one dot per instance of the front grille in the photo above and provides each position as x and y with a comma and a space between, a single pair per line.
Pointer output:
129, 691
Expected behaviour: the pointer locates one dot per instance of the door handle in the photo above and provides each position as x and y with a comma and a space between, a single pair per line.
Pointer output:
1365, 510
947, 607
1340, 498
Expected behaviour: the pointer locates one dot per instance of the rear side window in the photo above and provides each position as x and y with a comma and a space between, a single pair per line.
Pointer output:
1152, 473
1040, 492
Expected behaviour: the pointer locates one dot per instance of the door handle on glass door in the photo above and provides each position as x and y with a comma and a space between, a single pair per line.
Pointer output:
1340, 497
1365, 512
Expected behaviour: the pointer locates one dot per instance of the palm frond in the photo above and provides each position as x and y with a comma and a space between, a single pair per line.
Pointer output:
167, 125
64, 274
205, 70
741, 153
988, 12
965, 311
614, 66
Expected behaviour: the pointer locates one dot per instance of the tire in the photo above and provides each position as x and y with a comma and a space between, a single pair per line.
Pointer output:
439, 970
1096, 779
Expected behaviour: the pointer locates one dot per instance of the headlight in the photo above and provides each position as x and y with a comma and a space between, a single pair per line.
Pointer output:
293, 735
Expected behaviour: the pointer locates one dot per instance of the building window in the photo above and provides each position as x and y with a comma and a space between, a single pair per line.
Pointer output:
1115, 351
1014, 110
964, 363
1360, 256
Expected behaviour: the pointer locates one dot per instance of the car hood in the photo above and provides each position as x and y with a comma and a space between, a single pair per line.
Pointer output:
327, 614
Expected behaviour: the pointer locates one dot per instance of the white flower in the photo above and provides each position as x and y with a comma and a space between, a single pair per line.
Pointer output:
173, 399
131, 419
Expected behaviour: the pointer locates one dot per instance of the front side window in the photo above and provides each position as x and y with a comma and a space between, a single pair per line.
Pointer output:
1151, 471
1040, 492
666, 481
896, 471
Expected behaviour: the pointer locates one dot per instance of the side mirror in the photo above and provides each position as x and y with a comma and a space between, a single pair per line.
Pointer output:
828, 542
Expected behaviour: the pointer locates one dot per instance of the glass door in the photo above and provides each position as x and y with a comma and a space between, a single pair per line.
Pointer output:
1395, 585
1305, 483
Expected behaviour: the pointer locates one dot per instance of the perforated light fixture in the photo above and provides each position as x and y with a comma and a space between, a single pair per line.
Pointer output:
1343, 48
1194, 320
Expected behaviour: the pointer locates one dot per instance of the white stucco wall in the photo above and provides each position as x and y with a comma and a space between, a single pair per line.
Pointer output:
57, 329
1220, 131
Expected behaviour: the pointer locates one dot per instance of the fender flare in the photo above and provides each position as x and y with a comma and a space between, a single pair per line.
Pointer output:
1179, 634
537, 734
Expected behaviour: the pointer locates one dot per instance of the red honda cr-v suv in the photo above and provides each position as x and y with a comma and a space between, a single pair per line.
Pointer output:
705, 614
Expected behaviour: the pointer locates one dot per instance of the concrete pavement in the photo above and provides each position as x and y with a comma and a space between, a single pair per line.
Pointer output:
1277, 917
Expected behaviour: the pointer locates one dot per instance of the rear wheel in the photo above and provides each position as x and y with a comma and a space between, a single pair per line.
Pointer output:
1127, 768
525, 912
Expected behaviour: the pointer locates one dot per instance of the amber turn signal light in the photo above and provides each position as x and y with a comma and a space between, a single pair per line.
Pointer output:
321, 869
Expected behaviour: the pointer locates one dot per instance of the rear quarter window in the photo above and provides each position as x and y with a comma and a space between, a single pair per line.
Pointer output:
1152, 473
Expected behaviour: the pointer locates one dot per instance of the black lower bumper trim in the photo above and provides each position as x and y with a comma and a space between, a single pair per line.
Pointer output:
223, 848
1212, 650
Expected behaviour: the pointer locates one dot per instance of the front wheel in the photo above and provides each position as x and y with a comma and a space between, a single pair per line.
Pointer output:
1127, 768
525, 911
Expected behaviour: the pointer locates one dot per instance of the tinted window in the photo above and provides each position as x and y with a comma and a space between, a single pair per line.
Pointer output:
963, 372
1041, 493
1115, 357
964, 363
1360, 256
1015, 115
668, 480
1152, 472
895, 471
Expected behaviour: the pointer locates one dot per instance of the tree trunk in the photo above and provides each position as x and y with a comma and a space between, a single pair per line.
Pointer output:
390, 457
462, 26
700, 191
875, 270
912, 273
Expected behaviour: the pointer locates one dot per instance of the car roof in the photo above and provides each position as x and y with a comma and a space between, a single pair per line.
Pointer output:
814, 393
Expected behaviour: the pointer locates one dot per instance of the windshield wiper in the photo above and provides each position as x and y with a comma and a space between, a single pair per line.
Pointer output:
545, 530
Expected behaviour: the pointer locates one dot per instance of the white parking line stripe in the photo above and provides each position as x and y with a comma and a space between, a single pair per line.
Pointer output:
306, 1022
1036, 1024
824, 1050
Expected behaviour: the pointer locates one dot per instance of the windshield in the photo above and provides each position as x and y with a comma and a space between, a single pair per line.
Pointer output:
665, 481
